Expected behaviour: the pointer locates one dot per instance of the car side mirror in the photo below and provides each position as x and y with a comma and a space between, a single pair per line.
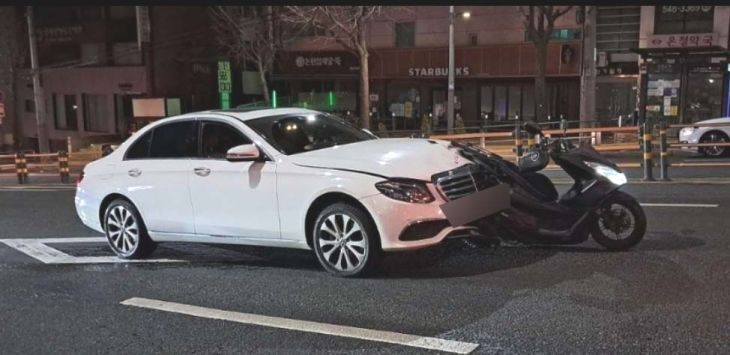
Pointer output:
245, 152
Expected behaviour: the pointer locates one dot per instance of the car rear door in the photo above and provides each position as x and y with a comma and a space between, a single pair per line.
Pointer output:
232, 199
155, 174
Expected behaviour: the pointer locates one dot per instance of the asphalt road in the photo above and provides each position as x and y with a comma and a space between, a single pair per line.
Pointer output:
671, 294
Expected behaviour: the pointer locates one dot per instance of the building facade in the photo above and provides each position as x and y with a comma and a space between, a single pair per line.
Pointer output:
684, 62
495, 66
99, 61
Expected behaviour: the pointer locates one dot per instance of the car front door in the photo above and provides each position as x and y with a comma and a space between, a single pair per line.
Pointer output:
155, 174
232, 199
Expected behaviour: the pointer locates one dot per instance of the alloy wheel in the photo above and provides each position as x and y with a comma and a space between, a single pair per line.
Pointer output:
342, 242
715, 151
122, 230
616, 222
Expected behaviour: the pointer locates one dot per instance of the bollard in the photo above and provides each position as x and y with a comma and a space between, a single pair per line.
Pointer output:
482, 140
19, 167
63, 166
663, 155
648, 166
24, 161
518, 141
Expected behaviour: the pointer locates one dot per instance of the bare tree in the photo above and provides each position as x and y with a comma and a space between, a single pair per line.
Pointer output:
539, 23
13, 53
347, 26
252, 34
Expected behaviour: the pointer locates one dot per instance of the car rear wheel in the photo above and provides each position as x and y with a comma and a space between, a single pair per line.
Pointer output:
714, 137
346, 241
126, 232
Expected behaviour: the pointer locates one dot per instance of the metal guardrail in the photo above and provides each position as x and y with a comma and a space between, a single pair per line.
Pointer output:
60, 159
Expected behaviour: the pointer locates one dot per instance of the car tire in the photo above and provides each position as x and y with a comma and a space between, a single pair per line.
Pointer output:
714, 136
630, 210
346, 241
126, 232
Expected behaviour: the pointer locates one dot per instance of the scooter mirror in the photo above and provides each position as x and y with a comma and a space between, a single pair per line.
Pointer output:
532, 128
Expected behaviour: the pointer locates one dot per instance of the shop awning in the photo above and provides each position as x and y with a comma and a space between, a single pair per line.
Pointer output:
705, 51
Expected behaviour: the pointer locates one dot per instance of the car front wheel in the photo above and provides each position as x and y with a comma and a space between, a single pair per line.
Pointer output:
714, 137
345, 241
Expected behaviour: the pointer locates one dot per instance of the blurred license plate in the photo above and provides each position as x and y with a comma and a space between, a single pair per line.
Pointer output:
478, 205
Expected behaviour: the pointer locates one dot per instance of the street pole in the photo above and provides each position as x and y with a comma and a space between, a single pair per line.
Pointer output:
588, 79
450, 99
40, 102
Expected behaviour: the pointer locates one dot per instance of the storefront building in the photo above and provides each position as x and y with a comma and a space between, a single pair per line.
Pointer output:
685, 62
102, 64
408, 67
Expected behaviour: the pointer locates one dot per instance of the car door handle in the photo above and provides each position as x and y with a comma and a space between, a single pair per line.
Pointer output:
202, 171
134, 172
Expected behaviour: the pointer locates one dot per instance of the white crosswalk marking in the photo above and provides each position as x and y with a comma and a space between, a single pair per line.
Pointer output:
416, 341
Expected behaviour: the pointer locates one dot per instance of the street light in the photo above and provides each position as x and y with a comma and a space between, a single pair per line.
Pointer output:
450, 99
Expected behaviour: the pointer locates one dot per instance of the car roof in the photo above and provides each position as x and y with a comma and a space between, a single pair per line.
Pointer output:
245, 114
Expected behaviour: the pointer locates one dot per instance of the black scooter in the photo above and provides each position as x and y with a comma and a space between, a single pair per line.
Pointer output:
593, 206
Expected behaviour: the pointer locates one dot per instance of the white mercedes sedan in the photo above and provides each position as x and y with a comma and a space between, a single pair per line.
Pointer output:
292, 178
709, 134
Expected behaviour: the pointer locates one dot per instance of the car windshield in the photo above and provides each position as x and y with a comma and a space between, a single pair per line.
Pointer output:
305, 133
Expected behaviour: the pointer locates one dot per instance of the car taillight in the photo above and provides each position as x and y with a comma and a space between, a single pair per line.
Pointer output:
78, 180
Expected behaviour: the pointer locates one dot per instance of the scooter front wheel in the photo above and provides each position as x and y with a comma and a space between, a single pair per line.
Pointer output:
620, 223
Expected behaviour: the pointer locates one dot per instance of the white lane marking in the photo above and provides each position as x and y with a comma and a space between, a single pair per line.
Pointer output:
416, 341
700, 205
37, 249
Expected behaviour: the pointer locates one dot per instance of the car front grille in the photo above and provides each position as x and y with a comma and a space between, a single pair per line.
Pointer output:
462, 181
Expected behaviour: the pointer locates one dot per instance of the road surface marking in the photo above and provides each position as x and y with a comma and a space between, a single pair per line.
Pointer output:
37, 249
700, 205
415, 341
40, 249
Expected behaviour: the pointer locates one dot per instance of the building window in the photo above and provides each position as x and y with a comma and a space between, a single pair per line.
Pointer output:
507, 102
96, 113
29, 105
683, 19
92, 53
120, 12
59, 53
617, 28
90, 13
405, 34
64, 109
473, 39
127, 54
56, 16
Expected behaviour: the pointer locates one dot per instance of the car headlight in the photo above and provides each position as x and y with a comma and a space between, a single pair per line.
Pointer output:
405, 190
687, 131
608, 172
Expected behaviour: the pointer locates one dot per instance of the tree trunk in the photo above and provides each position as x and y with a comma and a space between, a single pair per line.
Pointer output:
364, 90
540, 83
588, 79
264, 84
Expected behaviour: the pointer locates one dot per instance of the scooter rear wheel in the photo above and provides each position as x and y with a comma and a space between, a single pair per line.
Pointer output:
620, 223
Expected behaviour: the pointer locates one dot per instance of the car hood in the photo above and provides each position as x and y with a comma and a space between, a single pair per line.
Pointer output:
405, 158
